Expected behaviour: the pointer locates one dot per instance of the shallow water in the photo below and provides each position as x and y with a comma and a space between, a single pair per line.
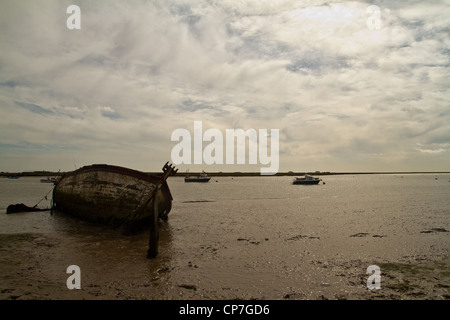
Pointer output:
249, 237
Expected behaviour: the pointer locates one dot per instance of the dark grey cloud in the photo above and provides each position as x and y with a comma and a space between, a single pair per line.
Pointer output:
34, 108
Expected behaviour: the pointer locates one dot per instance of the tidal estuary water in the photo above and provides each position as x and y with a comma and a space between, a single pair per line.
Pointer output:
242, 238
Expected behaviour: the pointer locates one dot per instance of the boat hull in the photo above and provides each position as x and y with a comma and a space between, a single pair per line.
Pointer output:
197, 179
113, 196
306, 182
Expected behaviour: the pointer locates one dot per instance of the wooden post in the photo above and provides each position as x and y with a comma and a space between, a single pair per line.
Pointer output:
161, 207
154, 228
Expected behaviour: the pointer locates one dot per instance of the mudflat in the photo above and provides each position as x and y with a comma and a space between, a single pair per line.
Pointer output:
244, 238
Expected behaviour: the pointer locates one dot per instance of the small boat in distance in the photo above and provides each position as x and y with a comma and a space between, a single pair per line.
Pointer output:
50, 180
307, 179
202, 177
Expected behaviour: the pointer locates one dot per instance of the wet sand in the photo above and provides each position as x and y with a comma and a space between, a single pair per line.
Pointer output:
33, 266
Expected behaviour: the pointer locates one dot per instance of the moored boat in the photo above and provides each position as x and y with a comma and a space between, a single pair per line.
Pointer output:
202, 177
306, 179
116, 196
50, 180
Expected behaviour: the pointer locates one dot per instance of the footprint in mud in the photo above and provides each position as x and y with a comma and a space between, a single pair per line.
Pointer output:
434, 230
364, 234
300, 236
251, 241
359, 235
188, 286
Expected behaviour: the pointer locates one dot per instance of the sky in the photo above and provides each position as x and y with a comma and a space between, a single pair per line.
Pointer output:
345, 93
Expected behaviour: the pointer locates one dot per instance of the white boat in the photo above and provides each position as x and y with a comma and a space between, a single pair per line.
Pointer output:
307, 179
202, 177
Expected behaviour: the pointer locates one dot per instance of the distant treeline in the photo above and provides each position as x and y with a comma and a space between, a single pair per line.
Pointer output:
251, 174
219, 174
30, 174
291, 173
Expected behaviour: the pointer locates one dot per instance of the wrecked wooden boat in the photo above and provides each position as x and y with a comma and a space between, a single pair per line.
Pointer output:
118, 197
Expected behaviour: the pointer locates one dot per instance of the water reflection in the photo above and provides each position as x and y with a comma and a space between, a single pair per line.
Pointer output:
105, 244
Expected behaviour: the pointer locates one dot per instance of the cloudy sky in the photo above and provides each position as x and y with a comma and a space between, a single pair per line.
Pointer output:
345, 95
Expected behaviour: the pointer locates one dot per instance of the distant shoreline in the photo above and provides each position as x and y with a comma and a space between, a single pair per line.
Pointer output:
301, 173
231, 174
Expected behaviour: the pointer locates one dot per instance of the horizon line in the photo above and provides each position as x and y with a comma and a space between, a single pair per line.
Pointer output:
230, 173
